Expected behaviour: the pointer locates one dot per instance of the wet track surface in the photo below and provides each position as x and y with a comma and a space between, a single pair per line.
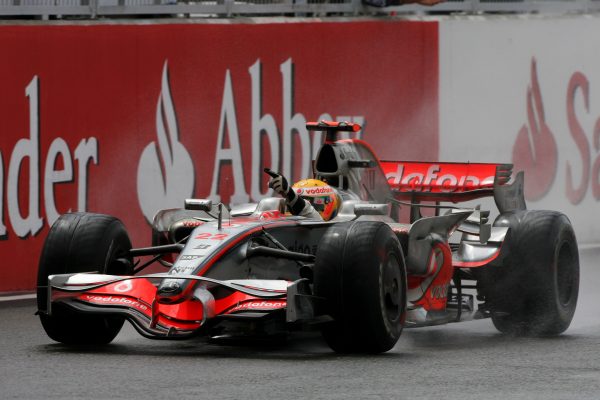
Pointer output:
470, 360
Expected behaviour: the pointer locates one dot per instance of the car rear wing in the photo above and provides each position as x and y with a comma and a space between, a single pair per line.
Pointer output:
455, 182
331, 128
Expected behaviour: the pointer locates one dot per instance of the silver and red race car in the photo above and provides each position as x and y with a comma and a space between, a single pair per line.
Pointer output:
359, 278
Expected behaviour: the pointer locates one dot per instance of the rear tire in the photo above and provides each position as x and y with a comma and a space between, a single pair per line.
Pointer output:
82, 242
360, 272
535, 291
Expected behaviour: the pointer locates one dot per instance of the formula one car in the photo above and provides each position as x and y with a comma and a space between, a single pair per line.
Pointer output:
359, 278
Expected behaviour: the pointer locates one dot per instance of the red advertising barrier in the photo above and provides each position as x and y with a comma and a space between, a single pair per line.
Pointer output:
128, 119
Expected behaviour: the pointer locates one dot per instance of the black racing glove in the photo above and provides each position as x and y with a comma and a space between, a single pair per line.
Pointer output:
279, 184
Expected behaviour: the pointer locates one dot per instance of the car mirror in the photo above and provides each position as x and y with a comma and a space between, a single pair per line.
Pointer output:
198, 204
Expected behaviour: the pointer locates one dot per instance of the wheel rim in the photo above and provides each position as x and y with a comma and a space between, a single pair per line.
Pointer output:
117, 260
565, 279
391, 288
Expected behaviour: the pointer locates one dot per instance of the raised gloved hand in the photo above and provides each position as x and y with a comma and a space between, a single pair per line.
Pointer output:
278, 183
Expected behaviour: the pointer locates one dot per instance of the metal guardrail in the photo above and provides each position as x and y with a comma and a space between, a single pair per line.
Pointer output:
94, 9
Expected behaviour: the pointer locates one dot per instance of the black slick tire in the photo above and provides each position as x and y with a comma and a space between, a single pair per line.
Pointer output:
360, 272
534, 292
82, 242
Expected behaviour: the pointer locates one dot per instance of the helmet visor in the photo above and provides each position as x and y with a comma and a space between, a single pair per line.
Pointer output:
319, 203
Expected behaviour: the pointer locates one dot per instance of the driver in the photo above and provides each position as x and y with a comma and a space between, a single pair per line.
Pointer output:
309, 198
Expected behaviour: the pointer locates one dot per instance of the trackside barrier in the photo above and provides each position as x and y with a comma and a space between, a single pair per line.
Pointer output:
126, 119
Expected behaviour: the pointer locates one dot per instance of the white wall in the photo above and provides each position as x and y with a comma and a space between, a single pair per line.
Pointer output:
485, 74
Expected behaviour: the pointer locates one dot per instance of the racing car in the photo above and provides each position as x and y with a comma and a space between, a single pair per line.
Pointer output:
400, 253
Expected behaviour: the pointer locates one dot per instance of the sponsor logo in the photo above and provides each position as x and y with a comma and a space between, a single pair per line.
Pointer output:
188, 257
192, 223
124, 286
446, 182
114, 300
182, 269
28, 175
203, 246
535, 150
165, 172
259, 305
315, 191
168, 162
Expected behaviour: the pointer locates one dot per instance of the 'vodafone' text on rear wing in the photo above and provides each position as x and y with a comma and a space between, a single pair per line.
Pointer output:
454, 182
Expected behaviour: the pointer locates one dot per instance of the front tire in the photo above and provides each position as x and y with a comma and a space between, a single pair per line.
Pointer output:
82, 242
360, 272
535, 291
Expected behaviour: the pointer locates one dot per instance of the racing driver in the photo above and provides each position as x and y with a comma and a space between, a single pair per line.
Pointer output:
310, 198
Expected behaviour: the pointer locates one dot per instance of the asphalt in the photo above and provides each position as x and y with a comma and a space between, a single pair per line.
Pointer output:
470, 360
